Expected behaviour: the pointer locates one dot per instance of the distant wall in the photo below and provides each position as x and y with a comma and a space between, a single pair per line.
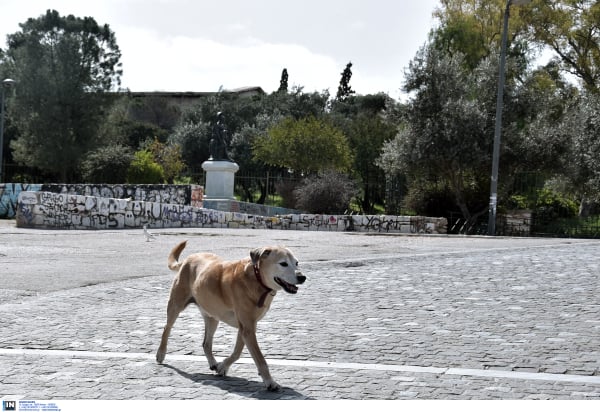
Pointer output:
173, 194
9, 193
66, 211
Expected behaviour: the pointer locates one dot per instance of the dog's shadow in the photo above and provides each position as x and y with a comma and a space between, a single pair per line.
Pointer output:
239, 386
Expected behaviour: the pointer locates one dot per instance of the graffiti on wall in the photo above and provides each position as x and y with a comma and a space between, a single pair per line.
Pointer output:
171, 194
366, 223
9, 193
66, 211
174, 194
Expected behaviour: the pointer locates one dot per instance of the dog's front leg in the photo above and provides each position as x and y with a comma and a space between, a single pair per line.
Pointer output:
248, 333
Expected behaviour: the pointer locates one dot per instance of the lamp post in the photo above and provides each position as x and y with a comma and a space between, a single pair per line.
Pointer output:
6, 83
498, 129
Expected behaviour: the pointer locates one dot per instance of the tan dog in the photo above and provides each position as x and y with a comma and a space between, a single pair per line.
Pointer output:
238, 293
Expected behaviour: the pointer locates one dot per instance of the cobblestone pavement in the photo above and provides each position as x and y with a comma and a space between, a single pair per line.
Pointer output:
380, 317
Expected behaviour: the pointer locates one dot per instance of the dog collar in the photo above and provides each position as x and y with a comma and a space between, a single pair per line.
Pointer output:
263, 297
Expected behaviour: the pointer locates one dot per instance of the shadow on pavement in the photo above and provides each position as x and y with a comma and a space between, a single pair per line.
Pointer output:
239, 386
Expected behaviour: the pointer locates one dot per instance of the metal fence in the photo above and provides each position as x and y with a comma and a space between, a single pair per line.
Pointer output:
529, 226
22, 174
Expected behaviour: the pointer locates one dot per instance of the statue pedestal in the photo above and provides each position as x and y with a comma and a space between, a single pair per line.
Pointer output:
219, 179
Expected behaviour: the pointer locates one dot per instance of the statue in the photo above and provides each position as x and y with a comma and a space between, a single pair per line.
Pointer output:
219, 141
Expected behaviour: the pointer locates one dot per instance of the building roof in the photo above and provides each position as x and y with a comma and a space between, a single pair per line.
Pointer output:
243, 91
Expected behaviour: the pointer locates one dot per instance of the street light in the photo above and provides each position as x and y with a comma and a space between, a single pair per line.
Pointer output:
498, 129
6, 84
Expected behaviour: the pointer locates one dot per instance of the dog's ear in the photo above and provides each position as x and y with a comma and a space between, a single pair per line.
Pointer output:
257, 254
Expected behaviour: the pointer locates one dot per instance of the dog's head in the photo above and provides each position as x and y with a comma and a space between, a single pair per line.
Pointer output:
278, 268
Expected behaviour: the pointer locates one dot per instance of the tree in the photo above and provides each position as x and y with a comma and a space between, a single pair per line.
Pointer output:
283, 83
295, 103
123, 125
447, 132
63, 66
344, 89
367, 122
193, 138
366, 136
306, 146
571, 28
578, 130
473, 28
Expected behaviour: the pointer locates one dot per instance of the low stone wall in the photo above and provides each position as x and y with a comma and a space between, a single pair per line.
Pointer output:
191, 195
516, 223
172, 194
9, 194
68, 211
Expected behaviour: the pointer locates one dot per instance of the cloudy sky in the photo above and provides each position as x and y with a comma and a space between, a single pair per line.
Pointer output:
199, 45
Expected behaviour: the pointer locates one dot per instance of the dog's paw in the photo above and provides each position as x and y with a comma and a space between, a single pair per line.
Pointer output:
220, 368
273, 386
160, 356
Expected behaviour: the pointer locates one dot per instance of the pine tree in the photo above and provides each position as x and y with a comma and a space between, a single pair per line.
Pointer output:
344, 89
283, 83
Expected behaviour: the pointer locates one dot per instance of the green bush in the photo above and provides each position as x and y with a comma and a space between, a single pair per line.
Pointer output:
551, 205
107, 164
517, 202
144, 170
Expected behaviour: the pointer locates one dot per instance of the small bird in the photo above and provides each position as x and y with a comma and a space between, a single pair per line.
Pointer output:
149, 236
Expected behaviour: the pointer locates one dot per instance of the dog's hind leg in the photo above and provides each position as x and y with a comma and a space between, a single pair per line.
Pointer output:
210, 327
223, 367
173, 311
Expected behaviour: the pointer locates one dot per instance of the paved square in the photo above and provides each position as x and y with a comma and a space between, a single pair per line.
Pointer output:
380, 317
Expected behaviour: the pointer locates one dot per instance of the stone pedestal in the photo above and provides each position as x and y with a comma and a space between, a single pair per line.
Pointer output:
219, 179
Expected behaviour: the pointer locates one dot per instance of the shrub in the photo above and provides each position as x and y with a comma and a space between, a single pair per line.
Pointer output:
551, 205
107, 164
168, 157
144, 170
329, 193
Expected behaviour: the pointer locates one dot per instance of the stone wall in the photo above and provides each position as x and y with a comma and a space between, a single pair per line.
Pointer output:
516, 223
173, 194
9, 194
191, 195
72, 211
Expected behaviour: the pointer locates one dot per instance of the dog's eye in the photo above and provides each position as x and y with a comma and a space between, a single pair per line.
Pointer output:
284, 264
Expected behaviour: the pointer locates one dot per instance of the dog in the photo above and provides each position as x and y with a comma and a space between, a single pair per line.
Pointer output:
238, 293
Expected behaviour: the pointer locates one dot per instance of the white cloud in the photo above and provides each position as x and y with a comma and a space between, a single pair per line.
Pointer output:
187, 45
198, 64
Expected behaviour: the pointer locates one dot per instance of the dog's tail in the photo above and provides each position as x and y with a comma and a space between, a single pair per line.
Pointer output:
173, 261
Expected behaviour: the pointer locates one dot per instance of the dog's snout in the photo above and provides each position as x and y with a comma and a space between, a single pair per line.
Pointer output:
301, 278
